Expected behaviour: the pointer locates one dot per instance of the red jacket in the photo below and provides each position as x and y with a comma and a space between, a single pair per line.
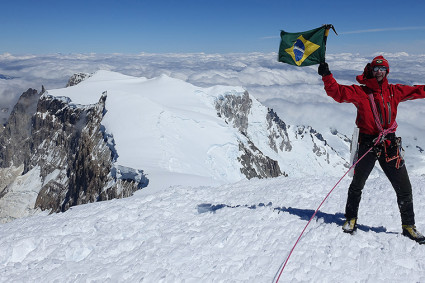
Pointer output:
387, 97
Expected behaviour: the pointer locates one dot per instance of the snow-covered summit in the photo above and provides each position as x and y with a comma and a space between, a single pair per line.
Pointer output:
109, 134
161, 124
167, 126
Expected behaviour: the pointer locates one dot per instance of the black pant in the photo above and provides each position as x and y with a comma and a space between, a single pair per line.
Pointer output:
398, 178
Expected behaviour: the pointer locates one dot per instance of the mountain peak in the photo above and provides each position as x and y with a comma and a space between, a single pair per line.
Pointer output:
115, 134
166, 124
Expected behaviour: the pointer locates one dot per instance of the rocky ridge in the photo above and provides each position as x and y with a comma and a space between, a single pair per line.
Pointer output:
236, 111
66, 144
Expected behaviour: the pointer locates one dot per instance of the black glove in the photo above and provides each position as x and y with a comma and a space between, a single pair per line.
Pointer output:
368, 71
324, 69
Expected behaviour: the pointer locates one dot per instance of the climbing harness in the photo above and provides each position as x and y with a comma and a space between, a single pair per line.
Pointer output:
388, 144
394, 145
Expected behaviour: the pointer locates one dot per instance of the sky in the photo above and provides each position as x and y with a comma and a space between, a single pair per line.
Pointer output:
192, 26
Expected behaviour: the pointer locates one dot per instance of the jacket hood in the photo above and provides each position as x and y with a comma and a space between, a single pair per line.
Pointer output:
367, 79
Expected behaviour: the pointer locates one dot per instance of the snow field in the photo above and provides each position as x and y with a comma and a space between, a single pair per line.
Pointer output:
239, 232
156, 122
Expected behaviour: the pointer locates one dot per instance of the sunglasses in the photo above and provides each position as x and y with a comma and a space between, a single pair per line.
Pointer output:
379, 68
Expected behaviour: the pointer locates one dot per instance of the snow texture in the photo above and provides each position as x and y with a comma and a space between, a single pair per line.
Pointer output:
240, 232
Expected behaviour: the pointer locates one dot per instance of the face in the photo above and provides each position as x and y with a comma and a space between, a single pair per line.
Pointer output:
379, 72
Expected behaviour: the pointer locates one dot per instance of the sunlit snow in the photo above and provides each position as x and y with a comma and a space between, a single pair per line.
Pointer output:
194, 228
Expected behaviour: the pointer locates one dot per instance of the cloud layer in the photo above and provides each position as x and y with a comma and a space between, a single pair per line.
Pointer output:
296, 94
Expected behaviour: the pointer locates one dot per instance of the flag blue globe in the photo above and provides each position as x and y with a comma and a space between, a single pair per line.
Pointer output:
299, 49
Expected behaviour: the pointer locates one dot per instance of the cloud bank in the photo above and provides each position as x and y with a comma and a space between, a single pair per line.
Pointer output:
296, 94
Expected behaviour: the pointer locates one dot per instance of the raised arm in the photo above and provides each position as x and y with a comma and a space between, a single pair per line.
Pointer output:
406, 92
340, 93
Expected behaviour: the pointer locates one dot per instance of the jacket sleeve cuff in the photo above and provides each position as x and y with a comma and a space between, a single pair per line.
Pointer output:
327, 78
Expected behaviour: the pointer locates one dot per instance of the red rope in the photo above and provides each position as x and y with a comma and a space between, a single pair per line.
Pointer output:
377, 141
375, 112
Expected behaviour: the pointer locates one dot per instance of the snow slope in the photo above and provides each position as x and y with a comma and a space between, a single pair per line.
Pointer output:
239, 232
155, 122
170, 129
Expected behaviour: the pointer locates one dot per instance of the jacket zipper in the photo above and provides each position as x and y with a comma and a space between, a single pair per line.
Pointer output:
383, 109
378, 108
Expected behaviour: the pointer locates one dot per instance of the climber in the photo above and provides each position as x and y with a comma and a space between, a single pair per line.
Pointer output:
376, 101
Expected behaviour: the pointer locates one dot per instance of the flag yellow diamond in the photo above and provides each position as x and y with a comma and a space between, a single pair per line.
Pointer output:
301, 49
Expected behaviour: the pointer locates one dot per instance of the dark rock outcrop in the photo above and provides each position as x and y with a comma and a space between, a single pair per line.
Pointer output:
77, 78
255, 164
67, 143
15, 140
278, 133
234, 109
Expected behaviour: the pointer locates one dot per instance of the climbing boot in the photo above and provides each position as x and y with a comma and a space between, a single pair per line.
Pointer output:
350, 225
411, 232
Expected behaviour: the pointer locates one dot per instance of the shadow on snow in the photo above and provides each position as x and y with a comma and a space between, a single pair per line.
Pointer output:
303, 214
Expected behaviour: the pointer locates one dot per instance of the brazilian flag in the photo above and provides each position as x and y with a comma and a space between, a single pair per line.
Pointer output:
304, 48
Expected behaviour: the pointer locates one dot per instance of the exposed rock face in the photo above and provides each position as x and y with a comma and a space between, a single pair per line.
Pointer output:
77, 78
15, 140
75, 147
68, 144
255, 163
235, 109
278, 132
